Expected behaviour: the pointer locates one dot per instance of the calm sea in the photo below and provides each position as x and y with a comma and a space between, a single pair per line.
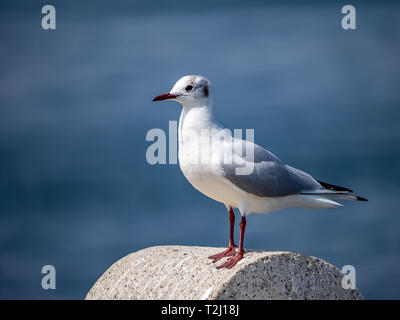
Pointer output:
76, 191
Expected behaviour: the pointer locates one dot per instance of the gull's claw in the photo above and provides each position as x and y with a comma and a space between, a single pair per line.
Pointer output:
231, 262
226, 253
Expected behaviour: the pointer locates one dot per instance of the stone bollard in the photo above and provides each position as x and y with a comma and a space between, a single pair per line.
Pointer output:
179, 272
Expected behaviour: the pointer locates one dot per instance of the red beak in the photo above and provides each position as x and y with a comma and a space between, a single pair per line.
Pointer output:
164, 96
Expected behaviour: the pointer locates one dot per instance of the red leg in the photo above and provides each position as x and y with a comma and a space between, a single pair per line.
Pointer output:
239, 255
231, 249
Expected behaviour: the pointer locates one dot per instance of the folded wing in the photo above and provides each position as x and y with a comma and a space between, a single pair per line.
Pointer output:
269, 177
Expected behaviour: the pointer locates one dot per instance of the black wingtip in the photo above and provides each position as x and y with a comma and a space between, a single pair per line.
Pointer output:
334, 187
361, 198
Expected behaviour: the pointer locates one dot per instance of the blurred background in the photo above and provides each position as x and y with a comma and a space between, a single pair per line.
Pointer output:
76, 191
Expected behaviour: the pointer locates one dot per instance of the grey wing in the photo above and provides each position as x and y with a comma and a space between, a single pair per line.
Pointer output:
270, 177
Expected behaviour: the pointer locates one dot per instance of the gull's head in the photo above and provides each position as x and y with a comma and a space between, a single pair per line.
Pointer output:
189, 91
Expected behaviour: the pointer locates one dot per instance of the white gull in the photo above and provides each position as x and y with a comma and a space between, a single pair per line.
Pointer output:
221, 170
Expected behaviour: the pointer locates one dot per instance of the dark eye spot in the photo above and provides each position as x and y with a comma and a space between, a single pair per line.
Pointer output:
189, 87
205, 91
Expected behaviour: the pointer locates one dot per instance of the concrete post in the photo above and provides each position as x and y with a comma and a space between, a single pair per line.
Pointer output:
178, 272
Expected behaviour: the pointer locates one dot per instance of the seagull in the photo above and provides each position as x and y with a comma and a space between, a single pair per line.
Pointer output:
214, 168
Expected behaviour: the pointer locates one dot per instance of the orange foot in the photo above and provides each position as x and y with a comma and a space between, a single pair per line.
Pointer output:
231, 262
227, 253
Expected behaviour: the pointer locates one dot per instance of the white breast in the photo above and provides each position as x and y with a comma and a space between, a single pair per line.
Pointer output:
198, 162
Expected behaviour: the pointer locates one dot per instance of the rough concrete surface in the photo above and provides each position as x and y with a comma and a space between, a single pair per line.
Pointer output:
179, 272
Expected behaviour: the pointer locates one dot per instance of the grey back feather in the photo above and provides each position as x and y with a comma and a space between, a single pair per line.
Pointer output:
270, 177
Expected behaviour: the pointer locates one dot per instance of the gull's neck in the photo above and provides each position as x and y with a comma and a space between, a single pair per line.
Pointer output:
193, 119
197, 117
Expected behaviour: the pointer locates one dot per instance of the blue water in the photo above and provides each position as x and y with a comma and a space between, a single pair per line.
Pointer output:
76, 191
